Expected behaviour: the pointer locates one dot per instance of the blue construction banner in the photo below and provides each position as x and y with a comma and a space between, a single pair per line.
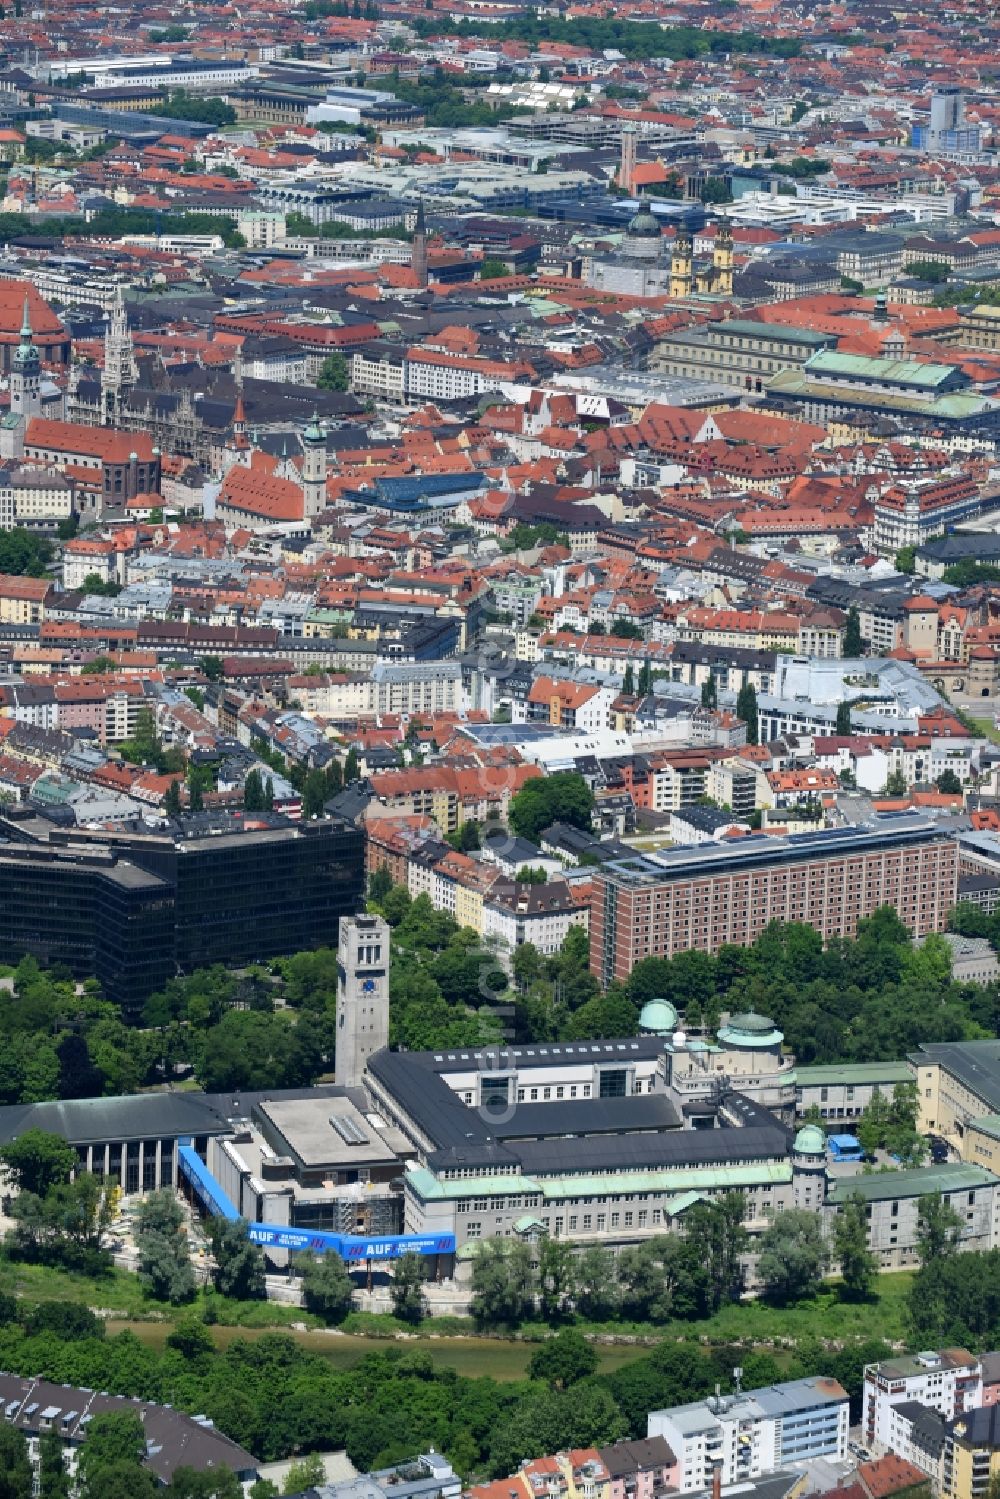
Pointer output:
387, 1247
299, 1240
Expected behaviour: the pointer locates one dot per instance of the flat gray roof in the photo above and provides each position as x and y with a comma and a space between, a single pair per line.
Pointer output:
708, 858
306, 1125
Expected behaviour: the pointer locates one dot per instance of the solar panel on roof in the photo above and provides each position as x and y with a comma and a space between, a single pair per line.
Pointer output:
349, 1130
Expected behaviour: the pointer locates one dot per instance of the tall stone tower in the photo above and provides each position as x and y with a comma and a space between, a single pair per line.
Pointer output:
362, 995
120, 372
626, 170
26, 374
314, 467
418, 255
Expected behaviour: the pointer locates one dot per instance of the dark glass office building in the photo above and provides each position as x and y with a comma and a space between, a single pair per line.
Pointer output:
98, 914
134, 908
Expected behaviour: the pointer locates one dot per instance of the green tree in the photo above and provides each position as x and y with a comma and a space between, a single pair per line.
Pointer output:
503, 1283
69, 1322
716, 190
896, 783
53, 1479
662, 1278
263, 1488
379, 883
934, 271
180, 105
327, 1287
396, 905
955, 1300
24, 553
114, 1439
556, 1277
792, 1255
16, 1477
564, 1359
38, 1161
527, 965
710, 692
192, 1340
335, 373
746, 709
717, 1229
145, 746
205, 1483
939, 1228
858, 1265
239, 1264
172, 799
891, 1124
562, 797
164, 1255
314, 794
253, 792
628, 681
949, 783
597, 1291
493, 269
843, 725
853, 644
351, 766
552, 1420
304, 1473
906, 560
406, 1289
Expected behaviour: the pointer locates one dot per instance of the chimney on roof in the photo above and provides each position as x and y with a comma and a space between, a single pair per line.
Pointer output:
717, 1478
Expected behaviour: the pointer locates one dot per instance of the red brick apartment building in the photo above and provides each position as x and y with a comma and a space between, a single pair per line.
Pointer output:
704, 897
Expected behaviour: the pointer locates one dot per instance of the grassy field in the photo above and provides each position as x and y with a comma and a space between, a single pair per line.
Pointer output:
498, 1357
117, 1291
825, 1316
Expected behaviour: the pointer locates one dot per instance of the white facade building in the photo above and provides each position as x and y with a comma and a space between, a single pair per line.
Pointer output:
539, 914
949, 1381
755, 1433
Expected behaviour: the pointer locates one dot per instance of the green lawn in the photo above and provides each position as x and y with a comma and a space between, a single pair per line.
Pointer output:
986, 727
500, 1358
118, 1291
825, 1317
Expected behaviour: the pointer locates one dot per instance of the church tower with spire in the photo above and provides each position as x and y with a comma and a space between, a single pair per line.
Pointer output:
314, 467
120, 372
26, 373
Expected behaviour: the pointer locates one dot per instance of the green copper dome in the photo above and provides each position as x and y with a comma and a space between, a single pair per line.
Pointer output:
645, 224
810, 1140
659, 1017
750, 1030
